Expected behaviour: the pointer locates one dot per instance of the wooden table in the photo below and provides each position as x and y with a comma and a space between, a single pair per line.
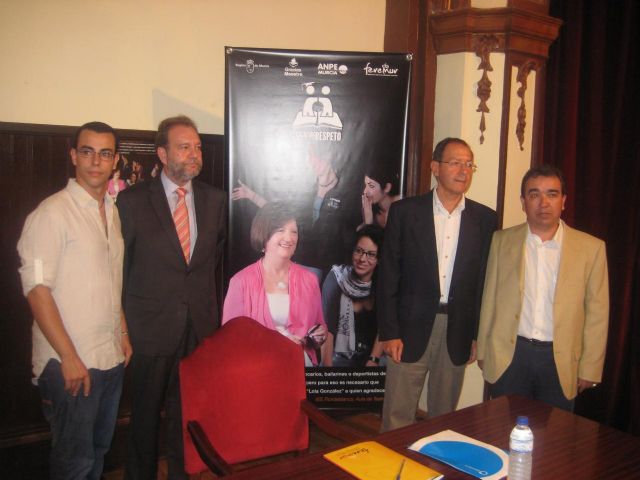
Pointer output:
566, 446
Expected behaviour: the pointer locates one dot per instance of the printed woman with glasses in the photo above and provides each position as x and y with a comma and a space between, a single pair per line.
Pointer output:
348, 303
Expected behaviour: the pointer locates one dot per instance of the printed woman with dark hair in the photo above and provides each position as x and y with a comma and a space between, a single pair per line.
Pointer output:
348, 302
275, 291
380, 191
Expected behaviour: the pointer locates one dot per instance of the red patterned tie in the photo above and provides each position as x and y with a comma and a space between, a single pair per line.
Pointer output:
181, 219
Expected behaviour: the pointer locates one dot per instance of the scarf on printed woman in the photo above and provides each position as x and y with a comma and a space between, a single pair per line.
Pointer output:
352, 289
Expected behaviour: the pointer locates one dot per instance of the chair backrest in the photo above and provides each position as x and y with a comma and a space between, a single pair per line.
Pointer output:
244, 385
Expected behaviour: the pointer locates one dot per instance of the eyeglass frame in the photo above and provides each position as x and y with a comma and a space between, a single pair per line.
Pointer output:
88, 152
369, 255
457, 163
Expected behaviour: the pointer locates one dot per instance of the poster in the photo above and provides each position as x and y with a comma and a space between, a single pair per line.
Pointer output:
305, 128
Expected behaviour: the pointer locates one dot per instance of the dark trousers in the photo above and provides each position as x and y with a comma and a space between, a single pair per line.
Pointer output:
155, 382
81, 427
533, 374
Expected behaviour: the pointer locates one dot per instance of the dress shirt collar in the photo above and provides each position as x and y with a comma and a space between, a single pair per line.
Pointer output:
170, 187
438, 207
555, 242
82, 197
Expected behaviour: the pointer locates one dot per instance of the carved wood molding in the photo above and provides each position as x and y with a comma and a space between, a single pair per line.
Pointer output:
535, 6
485, 44
524, 70
519, 30
446, 5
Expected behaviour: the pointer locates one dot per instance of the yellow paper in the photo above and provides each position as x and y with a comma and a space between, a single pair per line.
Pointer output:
373, 461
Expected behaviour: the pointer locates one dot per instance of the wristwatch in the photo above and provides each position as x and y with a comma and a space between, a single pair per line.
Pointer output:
374, 359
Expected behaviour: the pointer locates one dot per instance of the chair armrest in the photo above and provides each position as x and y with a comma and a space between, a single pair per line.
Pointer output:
329, 425
207, 453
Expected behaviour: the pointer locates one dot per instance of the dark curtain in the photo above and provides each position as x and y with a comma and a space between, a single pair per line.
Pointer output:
592, 132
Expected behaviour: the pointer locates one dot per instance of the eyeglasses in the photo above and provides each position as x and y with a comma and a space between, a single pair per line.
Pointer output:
458, 164
358, 252
86, 152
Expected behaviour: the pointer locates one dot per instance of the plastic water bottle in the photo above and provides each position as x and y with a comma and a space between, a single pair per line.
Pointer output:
520, 450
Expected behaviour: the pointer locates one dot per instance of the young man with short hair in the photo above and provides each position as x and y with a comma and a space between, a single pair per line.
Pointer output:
71, 253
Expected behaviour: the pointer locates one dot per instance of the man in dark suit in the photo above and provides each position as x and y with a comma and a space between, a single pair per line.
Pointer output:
174, 228
430, 287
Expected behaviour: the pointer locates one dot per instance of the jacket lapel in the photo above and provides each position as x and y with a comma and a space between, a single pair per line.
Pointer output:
426, 235
516, 256
202, 215
469, 234
567, 258
161, 208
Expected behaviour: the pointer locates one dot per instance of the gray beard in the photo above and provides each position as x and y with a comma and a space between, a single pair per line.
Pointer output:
179, 173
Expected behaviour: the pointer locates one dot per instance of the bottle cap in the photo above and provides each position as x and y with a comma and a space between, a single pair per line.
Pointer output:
522, 420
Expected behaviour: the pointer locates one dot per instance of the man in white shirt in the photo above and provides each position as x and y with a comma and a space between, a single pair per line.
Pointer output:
429, 287
545, 307
71, 254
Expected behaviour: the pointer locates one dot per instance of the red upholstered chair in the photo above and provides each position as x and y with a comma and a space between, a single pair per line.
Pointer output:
244, 397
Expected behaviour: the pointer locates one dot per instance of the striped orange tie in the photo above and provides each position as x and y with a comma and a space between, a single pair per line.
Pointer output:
181, 219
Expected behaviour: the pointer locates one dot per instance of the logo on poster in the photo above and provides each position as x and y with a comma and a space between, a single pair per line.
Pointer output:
292, 70
317, 120
331, 69
383, 71
333, 203
250, 65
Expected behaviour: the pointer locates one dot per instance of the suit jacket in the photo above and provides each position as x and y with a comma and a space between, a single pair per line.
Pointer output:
159, 288
580, 306
408, 281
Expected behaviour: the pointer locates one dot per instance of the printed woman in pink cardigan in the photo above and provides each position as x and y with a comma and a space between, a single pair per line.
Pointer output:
274, 291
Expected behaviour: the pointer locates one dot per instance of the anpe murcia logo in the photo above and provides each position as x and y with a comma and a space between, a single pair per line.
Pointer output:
383, 71
327, 69
292, 70
331, 69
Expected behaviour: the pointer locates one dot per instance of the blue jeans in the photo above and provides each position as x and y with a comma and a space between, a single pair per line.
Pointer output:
81, 427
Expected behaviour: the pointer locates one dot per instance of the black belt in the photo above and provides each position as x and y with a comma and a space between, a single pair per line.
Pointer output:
443, 308
536, 342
